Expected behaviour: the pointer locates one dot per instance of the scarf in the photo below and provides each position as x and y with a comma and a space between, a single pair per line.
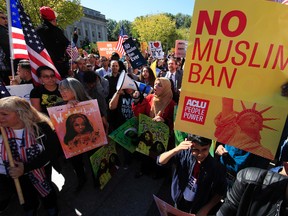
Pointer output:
160, 102
27, 152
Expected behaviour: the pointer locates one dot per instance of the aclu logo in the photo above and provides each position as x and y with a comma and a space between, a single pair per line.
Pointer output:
195, 110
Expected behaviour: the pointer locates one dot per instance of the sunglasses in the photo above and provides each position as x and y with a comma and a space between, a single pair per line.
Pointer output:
48, 76
4, 18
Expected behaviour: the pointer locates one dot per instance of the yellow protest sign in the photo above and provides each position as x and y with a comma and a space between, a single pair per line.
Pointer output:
236, 62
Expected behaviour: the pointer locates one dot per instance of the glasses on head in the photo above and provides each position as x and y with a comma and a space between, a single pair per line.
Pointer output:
48, 76
4, 18
64, 89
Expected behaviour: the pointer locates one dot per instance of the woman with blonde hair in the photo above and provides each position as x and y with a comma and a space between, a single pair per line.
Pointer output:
35, 147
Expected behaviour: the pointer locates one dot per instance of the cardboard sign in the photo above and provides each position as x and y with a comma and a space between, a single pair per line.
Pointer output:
79, 128
22, 90
105, 162
180, 48
235, 65
155, 49
106, 48
136, 58
153, 136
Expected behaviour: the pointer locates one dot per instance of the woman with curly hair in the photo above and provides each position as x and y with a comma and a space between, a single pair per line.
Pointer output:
76, 125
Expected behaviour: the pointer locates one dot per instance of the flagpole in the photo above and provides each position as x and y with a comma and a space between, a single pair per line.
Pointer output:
12, 164
10, 38
71, 52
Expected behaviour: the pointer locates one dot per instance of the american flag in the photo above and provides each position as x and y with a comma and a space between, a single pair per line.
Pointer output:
121, 38
38, 55
72, 51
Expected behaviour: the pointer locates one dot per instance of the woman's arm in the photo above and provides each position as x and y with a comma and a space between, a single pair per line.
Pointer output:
51, 153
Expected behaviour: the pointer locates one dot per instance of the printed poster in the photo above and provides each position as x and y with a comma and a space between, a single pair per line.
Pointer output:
180, 48
106, 48
22, 90
79, 128
236, 63
166, 209
153, 136
105, 162
127, 134
135, 56
155, 49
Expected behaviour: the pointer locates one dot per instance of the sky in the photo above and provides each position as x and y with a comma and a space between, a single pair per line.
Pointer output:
129, 10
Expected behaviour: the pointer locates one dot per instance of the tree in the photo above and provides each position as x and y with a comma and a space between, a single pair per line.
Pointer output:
156, 27
183, 34
111, 25
68, 11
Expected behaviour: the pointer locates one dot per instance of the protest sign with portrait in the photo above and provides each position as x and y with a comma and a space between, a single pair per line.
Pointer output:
79, 128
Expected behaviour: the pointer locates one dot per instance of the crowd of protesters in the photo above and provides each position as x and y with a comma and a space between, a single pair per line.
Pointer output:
199, 181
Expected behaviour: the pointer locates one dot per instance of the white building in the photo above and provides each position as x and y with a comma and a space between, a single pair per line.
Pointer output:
92, 26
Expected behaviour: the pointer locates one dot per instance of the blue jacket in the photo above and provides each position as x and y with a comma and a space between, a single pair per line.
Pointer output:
211, 180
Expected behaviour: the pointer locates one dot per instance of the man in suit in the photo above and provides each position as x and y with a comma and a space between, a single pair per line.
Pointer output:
175, 76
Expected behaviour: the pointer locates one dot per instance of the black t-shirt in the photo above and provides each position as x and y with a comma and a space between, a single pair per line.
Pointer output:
123, 111
47, 98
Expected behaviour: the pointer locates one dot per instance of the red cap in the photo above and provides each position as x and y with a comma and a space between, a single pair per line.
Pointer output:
47, 13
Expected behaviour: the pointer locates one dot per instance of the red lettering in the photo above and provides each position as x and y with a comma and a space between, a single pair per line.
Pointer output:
254, 51
197, 49
268, 56
238, 51
195, 69
209, 75
229, 81
211, 26
228, 50
279, 56
242, 22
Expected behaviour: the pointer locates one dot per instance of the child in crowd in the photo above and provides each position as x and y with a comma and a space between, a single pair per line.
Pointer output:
198, 181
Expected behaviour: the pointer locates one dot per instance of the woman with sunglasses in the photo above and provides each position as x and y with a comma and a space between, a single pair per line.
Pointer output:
47, 94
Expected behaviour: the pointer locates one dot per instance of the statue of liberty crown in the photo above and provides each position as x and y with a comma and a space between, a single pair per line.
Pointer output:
255, 112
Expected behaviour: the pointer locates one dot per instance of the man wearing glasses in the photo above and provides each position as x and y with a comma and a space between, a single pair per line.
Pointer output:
105, 69
4, 49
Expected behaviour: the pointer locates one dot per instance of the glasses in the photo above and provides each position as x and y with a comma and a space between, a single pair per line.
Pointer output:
48, 76
103, 60
64, 89
4, 18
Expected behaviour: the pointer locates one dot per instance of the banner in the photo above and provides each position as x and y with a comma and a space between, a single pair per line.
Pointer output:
107, 48
127, 134
180, 48
79, 128
166, 209
105, 162
235, 65
153, 136
136, 58
155, 49
22, 90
